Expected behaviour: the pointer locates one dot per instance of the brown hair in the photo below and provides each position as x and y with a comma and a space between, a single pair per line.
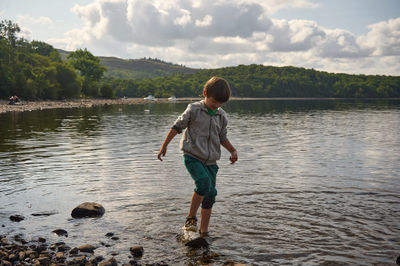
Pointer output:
218, 88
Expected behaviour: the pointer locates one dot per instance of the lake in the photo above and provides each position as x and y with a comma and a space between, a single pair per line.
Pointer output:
317, 181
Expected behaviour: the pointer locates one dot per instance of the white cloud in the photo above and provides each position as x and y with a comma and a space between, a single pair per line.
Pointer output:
295, 35
184, 20
25, 33
383, 38
206, 21
209, 33
29, 20
340, 44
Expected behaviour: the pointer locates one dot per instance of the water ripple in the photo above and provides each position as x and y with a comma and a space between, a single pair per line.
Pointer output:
313, 185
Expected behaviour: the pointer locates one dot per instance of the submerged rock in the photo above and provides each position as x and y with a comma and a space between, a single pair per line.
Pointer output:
17, 218
88, 209
43, 213
199, 242
61, 232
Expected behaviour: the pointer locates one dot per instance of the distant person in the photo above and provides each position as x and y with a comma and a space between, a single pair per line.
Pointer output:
205, 130
13, 99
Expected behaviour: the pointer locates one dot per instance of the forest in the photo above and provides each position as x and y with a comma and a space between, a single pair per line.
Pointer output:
34, 70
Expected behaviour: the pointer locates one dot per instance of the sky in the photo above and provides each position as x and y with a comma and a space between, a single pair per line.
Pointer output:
339, 36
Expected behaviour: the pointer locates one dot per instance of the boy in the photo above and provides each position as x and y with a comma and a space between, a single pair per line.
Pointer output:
205, 124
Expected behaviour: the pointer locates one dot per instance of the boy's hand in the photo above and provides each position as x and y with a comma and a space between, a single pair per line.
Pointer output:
162, 153
234, 157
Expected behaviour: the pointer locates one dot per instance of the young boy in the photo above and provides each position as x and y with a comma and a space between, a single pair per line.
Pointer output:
205, 124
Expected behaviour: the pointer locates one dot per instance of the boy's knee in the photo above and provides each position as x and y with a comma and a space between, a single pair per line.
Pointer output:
208, 202
209, 199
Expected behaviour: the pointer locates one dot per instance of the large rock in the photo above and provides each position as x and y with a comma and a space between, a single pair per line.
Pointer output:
88, 209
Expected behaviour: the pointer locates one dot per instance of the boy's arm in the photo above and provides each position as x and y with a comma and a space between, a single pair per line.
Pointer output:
227, 145
163, 150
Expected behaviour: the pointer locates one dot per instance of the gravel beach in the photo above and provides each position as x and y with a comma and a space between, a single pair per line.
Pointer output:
40, 105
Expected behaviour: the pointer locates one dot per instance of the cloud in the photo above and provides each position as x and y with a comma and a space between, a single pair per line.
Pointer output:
205, 22
295, 35
216, 33
26, 22
383, 38
29, 20
341, 44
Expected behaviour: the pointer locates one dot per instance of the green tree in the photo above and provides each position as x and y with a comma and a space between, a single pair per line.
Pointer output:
68, 80
8, 31
89, 69
106, 91
45, 49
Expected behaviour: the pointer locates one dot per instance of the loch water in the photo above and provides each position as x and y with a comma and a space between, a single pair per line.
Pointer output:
317, 181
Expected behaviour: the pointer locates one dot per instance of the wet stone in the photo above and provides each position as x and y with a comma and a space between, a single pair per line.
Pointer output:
21, 255
74, 251
137, 251
79, 260
63, 248
87, 248
88, 209
61, 232
60, 256
17, 218
109, 262
199, 242
5, 263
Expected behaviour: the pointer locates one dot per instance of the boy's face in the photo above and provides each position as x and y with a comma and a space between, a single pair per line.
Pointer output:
211, 103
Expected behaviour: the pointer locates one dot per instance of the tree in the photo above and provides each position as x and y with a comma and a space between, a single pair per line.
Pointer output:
45, 49
89, 69
106, 91
8, 31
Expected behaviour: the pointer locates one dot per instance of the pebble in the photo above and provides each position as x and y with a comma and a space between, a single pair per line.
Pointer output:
137, 251
87, 248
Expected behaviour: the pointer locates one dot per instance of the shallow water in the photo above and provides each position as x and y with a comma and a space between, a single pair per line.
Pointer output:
317, 182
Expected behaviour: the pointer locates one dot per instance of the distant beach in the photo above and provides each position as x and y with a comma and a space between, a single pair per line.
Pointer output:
78, 103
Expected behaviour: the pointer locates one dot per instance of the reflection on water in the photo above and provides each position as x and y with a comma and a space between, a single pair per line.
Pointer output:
316, 182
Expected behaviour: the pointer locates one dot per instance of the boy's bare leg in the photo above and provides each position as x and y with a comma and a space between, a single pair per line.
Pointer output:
205, 220
195, 204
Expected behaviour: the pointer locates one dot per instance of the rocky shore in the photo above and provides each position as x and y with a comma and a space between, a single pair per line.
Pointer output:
16, 250
40, 105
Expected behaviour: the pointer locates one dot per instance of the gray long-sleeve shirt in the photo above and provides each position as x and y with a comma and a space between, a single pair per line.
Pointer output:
203, 133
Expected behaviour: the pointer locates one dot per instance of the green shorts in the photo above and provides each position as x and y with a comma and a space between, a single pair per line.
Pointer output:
204, 177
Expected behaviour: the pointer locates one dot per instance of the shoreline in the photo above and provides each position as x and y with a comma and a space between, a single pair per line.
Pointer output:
24, 106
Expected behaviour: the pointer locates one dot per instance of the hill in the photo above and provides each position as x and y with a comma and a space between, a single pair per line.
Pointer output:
140, 77
265, 81
138, 68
